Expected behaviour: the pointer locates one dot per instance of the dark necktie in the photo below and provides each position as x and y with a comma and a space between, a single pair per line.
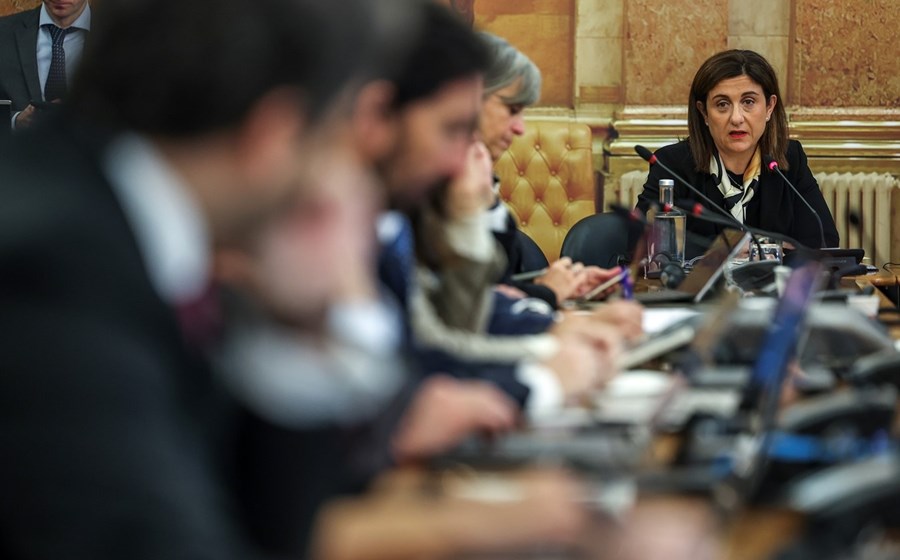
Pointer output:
56, 85
201, 319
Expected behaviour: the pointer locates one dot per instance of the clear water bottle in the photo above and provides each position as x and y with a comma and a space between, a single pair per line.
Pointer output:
665, 243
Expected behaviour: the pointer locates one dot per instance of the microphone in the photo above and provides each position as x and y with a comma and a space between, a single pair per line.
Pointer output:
652, 159
772, 165
732, 221
697, 210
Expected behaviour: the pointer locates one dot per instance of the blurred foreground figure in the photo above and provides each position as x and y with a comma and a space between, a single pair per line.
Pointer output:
116, 436
317, 355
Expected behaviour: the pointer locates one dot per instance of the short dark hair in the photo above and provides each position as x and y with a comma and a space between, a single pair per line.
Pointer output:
445, 49
178, 68
731, 64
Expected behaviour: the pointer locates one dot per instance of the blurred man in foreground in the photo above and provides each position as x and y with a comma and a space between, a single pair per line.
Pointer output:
317, 365
115, 432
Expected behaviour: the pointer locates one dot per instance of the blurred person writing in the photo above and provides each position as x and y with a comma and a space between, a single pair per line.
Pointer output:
512, 84
318, 363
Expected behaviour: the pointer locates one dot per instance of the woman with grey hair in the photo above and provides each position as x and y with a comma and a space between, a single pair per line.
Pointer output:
511, 83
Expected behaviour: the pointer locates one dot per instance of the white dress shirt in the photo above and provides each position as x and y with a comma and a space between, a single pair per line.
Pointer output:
170, 228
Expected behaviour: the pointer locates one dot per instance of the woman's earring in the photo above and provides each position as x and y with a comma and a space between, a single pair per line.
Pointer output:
767, 119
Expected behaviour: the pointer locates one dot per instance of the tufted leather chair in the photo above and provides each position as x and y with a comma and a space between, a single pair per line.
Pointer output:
547, 180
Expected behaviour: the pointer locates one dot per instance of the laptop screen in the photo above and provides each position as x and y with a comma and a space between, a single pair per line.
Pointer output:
769, 372
780, 341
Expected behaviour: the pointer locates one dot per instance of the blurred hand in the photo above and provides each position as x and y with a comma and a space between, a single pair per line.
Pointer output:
445, 411
563, 277
471, 192
588, 350
25, 118
594, 276
321, 250
626, 316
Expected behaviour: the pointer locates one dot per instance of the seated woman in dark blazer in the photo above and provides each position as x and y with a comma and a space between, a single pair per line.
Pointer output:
735, 120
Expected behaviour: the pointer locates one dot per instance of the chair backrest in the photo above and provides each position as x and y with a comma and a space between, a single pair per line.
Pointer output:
598, 240
547, 181
532, 256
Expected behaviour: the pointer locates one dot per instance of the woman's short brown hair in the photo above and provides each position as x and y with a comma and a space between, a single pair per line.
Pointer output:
731, 64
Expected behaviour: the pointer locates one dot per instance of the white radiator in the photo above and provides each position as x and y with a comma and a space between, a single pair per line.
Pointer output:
872, 196
869, 195
631, 185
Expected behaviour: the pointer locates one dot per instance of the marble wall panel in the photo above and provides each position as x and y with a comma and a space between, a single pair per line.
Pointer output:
759, 18
846, 54
600, 18
776, 51
543, 30
665, 43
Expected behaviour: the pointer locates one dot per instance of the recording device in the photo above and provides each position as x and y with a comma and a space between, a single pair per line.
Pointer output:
671, 273
772, 165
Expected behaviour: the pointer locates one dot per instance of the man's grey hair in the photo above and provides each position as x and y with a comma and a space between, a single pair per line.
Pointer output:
508, 65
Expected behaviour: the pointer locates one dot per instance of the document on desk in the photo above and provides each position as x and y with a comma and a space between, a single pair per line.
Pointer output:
665, 330
660, 318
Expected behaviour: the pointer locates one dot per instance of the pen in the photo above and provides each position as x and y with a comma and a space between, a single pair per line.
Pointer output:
627, 285
523, 276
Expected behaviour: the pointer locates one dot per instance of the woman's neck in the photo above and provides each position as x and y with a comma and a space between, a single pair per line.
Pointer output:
736, 164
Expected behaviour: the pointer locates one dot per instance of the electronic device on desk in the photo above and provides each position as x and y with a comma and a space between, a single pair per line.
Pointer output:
755, 276
837, 336
705, 274
849, 509
762, 397
882, 368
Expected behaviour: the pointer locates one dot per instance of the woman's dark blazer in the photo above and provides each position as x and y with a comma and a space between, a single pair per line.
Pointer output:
774, 208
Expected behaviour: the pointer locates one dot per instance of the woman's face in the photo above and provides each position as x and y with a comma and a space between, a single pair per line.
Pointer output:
736, 112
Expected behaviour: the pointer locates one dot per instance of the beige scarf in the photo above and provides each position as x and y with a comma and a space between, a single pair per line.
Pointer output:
737, 196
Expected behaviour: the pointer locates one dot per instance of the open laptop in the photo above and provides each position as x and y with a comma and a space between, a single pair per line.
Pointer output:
770, 370
706, 272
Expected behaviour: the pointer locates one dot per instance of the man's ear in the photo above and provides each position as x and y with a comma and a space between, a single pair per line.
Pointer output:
270, 133
375, 120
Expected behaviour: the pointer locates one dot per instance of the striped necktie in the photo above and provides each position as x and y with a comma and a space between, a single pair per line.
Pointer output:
56, 85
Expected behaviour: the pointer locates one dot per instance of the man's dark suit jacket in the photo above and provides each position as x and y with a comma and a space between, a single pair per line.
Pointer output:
19, 81
773, 208
112, 430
